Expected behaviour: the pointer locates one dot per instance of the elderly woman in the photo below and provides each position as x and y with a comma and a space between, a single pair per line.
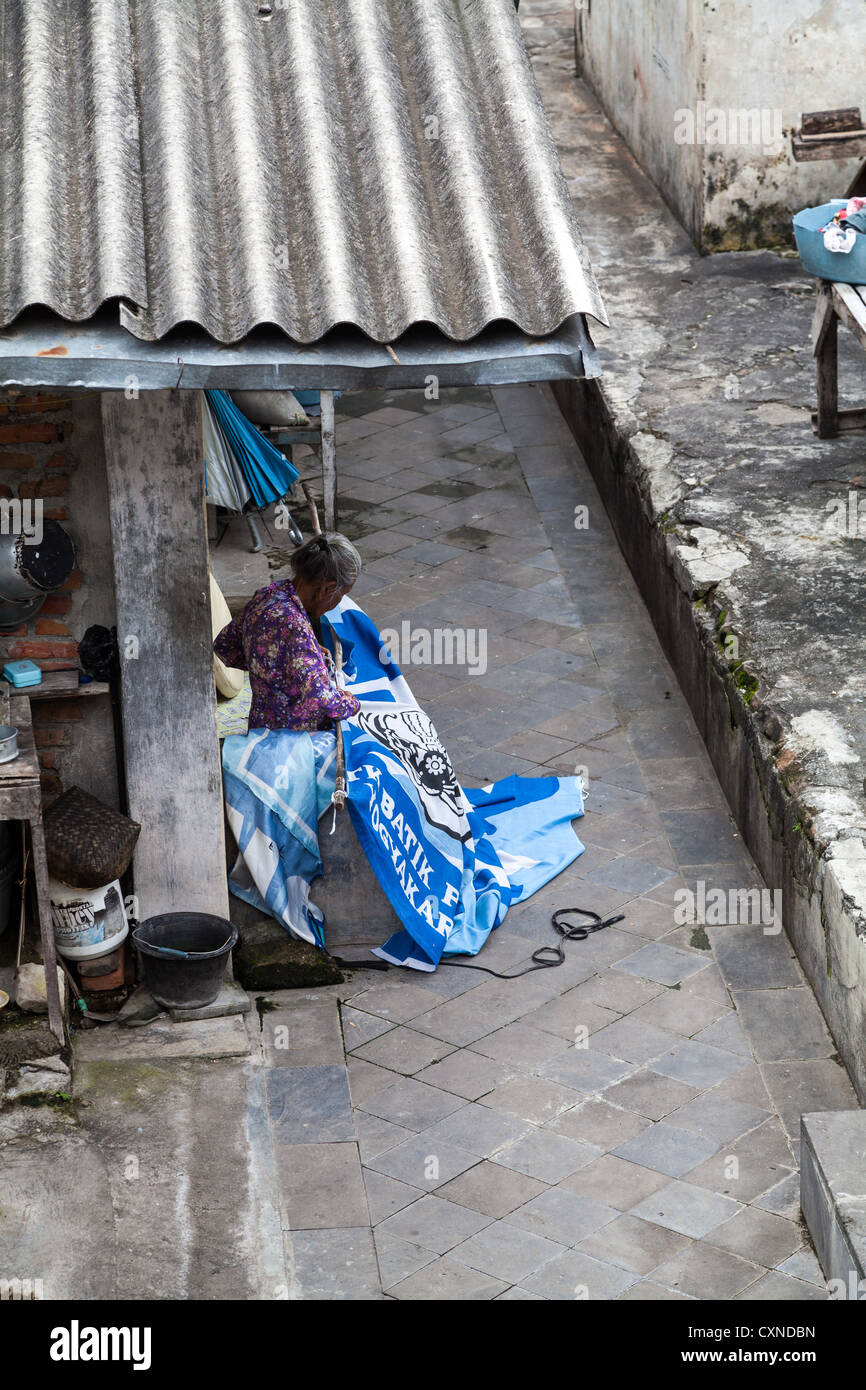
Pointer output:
274, 638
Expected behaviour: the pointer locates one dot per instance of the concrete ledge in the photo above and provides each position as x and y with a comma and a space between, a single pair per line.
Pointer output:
805, 839
833, 1194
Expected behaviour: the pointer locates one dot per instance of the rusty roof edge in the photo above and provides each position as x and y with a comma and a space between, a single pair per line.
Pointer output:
101, 356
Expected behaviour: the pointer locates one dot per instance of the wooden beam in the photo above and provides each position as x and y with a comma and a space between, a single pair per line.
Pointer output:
329, 461
153, 450
823, 316
851, 310
854, 419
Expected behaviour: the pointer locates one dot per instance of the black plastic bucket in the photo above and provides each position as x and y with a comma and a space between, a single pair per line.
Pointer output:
184, 957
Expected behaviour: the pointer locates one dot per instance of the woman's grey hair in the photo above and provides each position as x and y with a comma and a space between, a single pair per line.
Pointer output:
327, 559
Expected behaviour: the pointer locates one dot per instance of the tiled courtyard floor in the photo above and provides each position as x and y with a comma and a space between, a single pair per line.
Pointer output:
625, 1126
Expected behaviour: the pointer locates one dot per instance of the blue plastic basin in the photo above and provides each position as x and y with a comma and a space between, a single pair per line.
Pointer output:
848, 267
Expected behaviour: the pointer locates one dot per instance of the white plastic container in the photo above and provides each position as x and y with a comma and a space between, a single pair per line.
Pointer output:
88, 922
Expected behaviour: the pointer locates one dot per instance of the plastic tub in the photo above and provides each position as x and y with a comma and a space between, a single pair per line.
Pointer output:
849, 267
184, 957
88, 922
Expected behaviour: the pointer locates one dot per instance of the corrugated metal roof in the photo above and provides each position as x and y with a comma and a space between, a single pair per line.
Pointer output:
100, 355
369, 162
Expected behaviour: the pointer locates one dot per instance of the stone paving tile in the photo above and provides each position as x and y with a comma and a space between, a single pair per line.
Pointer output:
469, 1019
516, 1294
784, 1024
596, 1122
783, 1197
302, 1033
679, 1012
507, 1252
562, 1215
532, 1098
445, 1281
620, 993
759, 1235
706, 1272
646, 1291
434, 1223
524, 1048
466, 1074
633, 1244
376, 1136
564, 1015
763, 1158
397, 1258
584, 1069
752, 959
491, 1189
412, 1103
651, 1094
359, 1028
332, 1265
727, 1032
413, 1163
365, 1080
386, 1195
717, 1117
799, 1088
396, 1003
776, 1288
667, 965
547, 1156
634, 1040
403, 1050
309, 1105
698, 1064
321, 1186
682, 1207
576, 1275
803, 1264
666, 1149
477, 1129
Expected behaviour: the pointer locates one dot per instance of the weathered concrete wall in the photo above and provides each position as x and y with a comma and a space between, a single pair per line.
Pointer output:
676, 78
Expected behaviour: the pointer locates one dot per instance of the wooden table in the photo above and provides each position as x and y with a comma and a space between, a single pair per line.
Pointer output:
837, 303
21, 799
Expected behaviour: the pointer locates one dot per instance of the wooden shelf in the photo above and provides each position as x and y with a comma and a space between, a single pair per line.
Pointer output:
62, 685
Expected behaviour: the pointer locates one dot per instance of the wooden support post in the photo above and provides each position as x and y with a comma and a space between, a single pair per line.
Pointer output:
153, 450
826, 361
46, 927
329, 460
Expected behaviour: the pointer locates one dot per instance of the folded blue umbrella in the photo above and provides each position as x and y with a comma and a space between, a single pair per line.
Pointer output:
267, 471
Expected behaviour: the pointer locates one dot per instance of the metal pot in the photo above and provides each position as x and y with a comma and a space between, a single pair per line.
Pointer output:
31, 569
8, 743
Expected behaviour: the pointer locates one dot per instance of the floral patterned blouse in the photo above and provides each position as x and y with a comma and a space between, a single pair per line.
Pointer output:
273, 639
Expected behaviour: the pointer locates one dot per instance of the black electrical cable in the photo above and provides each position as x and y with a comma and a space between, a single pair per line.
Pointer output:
542, 956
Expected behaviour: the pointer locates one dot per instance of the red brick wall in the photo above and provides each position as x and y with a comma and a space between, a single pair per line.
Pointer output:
37, 458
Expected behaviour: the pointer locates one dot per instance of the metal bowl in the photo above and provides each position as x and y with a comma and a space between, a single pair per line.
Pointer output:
8, 743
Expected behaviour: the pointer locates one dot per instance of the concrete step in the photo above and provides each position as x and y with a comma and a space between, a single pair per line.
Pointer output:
833, 1195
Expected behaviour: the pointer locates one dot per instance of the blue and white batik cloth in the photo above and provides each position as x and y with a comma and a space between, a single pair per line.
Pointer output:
277, 785
451, 861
